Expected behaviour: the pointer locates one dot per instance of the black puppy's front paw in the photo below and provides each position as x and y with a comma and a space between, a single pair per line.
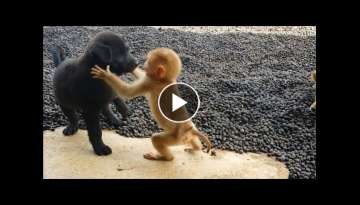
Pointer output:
103, 150
70, 130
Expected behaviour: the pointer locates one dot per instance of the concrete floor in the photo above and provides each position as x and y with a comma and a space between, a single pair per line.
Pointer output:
73, 158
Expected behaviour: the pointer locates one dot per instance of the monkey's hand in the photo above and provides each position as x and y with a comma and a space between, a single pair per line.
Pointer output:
100, 73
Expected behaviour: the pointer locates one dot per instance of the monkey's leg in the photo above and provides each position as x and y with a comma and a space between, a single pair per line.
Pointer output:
110, 116
73, 125
195, 145
121, 107
161, 143
92, 120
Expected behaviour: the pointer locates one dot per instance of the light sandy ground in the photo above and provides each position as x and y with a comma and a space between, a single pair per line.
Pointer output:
73, 158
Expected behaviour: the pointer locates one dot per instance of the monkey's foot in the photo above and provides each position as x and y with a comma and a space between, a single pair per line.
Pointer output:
151, 156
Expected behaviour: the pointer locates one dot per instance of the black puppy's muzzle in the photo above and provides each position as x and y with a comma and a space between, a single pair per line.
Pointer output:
133, 65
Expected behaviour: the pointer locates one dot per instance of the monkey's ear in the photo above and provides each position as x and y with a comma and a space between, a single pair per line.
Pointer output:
160, 71
102, 52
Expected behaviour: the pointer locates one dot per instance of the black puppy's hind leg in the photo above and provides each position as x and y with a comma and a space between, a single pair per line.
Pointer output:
121, 107
73, 119
110, 116
92, 120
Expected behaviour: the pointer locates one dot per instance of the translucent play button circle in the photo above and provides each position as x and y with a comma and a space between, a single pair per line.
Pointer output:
178, 102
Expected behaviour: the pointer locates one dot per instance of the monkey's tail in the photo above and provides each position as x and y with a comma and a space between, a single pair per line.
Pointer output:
204, 138
58, 55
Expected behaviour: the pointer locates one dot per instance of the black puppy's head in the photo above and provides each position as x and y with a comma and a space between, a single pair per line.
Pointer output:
107, 48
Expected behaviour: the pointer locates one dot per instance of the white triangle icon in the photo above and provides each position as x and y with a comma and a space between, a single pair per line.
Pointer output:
177, 102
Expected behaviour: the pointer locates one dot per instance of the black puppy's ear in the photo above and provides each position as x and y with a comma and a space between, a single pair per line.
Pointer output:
102, 52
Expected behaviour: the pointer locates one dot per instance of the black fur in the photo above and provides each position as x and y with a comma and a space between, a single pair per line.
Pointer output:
75, 89
58, 55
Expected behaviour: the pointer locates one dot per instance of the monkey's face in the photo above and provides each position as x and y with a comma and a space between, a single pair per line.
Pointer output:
154, 69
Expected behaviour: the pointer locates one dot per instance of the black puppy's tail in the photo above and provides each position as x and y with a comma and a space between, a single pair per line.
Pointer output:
58, 55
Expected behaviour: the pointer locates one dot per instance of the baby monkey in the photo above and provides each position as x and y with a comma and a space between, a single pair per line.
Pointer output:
161, 68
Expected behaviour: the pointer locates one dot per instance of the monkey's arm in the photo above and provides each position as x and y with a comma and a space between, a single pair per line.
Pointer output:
122, 88
138, 73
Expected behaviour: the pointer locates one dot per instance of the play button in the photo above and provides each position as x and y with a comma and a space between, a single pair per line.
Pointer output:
178, 102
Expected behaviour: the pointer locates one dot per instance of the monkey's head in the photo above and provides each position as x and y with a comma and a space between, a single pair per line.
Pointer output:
107, 48
163, 64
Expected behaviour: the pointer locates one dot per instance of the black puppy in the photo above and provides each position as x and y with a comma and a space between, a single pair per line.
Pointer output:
75, 89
